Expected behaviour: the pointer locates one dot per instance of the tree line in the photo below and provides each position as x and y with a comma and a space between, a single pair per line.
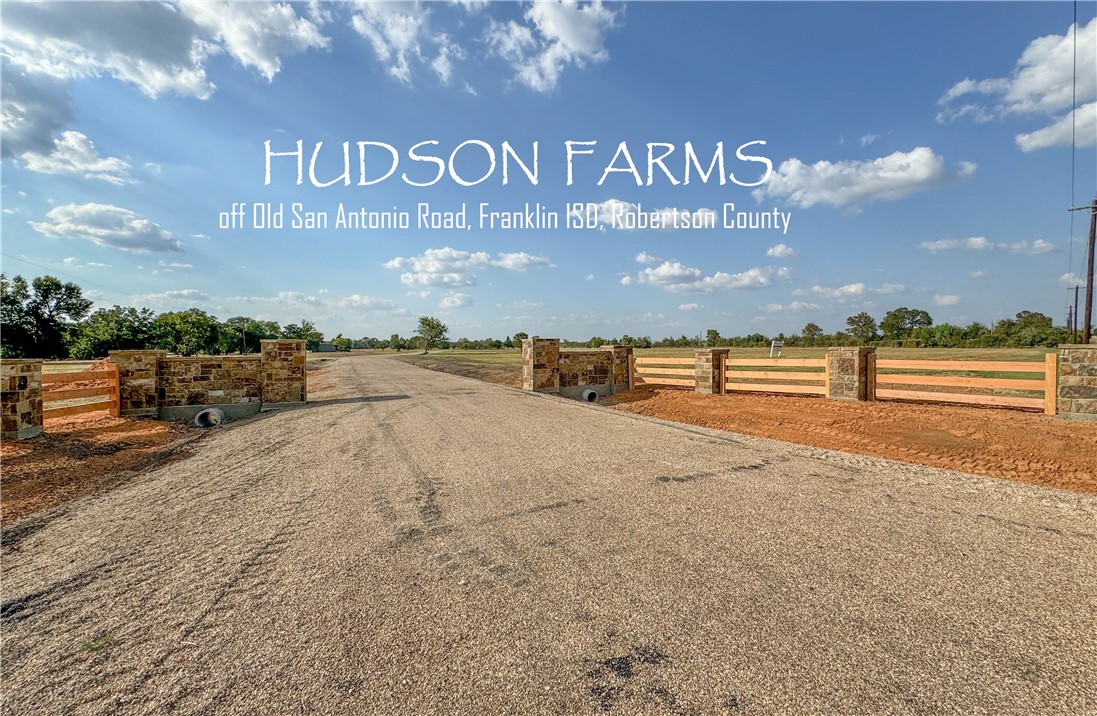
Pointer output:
47, 318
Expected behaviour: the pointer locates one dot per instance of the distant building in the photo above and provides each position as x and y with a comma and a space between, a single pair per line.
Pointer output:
327, 348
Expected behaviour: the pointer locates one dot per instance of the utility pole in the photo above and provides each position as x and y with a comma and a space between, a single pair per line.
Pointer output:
1074, 317
1087, 317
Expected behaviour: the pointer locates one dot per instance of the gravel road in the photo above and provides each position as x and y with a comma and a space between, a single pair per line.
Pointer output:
423, 543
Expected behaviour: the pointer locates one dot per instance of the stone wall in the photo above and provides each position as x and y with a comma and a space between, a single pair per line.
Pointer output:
1077, 385
208, 380
851, 373
620, 355
541, 365
284, 376
21, 384
137, 381
709, 369
580, 370
154, 384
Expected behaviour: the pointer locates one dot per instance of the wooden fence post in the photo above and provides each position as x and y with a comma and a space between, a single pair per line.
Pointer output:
1051, 384
631, 371
116, 391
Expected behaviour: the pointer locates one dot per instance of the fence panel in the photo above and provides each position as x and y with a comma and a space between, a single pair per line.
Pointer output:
665, 371
66, 395
980, 382
757, 375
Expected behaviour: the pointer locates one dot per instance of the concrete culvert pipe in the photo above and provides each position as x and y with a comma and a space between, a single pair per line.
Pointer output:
589, 395
209, 418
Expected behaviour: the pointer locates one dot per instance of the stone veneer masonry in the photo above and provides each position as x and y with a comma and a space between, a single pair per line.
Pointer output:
208, 380
709, 369
285, 380
21, 415
849, 376
1077, 384
547, 369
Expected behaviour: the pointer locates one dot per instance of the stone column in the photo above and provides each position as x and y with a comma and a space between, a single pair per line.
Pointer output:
1077, 386
851, 373
21, 398
138, 388
619, 377
283, 376
541, 365
709, 370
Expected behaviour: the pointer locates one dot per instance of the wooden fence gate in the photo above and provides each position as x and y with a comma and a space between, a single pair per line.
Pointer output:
70, 400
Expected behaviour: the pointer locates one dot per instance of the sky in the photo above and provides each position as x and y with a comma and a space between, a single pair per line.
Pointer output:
913, 154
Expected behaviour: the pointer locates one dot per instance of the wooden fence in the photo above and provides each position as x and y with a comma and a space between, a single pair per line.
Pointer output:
665, 371
914, 376
68, 395
758, 375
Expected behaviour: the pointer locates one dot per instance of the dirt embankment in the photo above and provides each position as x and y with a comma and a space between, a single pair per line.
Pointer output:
82, 454
1011, 444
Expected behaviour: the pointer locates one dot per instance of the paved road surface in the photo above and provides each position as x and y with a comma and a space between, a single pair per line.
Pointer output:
435, 545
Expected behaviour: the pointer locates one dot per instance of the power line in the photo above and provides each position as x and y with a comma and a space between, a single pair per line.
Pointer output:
66, 275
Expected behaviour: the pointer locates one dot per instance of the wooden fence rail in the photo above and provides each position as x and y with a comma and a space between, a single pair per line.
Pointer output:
665, 371
887, 375
110, 391
740, 376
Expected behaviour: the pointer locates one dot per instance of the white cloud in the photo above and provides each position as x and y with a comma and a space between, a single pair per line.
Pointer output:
645, 258
589, 277
150, 45
626, 280
869, 139
400, 35
980, 243
32, 109
1042, 84
448, 267
945, 299
456, 300
1070, 280
689, 307
973, 243
106, 225
74, 153
1042, 81
677, 278
780, 251
851, 183
558, 34
977, 274
852, 290
792, 307
257, 34
183, 298
1079, 124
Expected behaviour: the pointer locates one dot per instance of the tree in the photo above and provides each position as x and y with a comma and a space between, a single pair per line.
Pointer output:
305, 332
903, 321
519, 337
712, 338
811, 332
342, 344
862, 327
243, 334
112, 329
432, 332
187, 332
396, 343
508, 343
38, 318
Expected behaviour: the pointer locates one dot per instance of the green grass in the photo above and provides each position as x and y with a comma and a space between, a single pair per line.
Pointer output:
99, 642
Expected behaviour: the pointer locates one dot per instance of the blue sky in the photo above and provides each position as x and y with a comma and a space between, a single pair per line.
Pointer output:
923, 151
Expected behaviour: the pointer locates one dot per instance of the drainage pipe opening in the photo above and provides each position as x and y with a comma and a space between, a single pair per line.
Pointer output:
209, 418
589, 395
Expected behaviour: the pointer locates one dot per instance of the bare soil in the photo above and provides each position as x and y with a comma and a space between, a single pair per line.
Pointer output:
1011, 444
81, 454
